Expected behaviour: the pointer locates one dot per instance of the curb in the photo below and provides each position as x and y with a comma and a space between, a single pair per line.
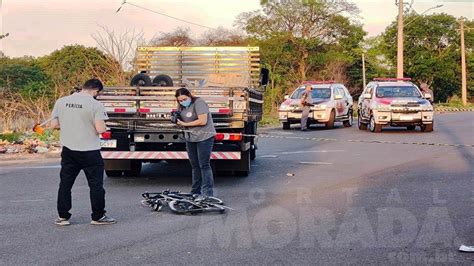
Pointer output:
10, 158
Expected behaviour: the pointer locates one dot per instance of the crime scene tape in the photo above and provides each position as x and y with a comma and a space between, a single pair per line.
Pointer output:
264, 135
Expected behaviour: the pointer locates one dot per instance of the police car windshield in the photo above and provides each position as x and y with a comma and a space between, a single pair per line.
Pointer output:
397, 91
321, 93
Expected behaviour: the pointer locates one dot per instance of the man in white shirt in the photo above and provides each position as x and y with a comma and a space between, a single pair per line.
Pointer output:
81, 119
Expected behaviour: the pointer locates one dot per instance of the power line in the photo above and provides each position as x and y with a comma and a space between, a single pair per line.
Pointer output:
162, 14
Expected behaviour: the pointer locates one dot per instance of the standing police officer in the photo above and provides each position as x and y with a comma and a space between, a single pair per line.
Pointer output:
306, 102
81, 119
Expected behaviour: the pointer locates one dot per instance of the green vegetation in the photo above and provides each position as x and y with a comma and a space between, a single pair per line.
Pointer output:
298, 40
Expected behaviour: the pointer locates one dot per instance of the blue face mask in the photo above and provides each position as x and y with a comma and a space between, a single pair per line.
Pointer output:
186, 103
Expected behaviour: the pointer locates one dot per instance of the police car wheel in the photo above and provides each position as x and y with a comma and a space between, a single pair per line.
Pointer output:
349, 122
361, 125
427, 127
374, 127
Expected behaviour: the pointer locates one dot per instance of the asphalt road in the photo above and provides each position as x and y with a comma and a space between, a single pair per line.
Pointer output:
343, 203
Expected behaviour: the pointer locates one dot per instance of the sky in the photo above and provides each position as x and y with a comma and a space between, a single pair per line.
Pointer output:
38, 27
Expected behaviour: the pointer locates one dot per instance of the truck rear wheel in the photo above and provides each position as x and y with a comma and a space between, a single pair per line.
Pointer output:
286, 125
135, 169
245, 165
113, 173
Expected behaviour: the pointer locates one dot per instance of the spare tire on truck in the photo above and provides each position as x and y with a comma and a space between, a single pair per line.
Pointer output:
140, 80
163, 81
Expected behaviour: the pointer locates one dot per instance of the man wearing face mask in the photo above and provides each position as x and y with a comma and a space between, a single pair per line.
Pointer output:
199, 136
81, 119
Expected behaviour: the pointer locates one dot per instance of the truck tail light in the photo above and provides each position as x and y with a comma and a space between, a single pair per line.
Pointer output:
224, 111
106, 135
228, 136
144, 110
119, 110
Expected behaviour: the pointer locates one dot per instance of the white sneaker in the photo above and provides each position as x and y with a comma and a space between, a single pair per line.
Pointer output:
104, 220
62, 221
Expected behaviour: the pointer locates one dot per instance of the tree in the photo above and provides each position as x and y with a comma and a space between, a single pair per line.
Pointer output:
303, 39
179, 37
310, 24
120, 46
431, 51
17, 75
222, 37
74, 64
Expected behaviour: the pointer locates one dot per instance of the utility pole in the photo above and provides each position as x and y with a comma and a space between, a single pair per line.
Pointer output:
400, 40
363, 70
463, 66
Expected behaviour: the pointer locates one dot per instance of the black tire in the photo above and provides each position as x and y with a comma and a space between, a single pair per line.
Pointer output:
140, 80
360, 124
253, 152
245, 165
374, 127
253, 147
214, 200
427, 127
348, 123
286, 125
113, 173
183, 207
136, 168
163, 81
411, 127
332, 118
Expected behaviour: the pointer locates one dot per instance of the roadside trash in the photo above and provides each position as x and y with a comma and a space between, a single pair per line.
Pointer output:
3, 150
464, 248
290, 174
40, 149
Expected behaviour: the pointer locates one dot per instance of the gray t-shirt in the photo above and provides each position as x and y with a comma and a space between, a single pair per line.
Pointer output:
77, 114
189, 114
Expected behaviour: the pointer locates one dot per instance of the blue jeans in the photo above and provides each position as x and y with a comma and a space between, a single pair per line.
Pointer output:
199, 154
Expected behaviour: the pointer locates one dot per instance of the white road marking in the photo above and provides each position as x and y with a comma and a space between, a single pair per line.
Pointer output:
269, 156
317, 151
32, 200
316, 163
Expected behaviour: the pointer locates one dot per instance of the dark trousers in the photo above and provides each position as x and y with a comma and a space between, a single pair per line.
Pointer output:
72, 162
199, 154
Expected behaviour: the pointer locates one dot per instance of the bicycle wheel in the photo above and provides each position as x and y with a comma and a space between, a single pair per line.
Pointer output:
183, 207
214, 200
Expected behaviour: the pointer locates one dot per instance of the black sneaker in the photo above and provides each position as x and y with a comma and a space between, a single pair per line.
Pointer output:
62, 221
104, 220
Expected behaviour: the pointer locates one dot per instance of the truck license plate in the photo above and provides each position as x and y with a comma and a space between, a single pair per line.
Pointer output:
406, 117
108, 143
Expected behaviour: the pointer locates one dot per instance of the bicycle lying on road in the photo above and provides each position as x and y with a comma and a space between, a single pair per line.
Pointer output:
182, 203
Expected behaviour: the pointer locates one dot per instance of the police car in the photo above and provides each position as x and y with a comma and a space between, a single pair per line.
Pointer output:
331, 102
394, 102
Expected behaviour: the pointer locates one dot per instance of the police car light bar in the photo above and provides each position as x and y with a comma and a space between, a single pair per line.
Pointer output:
392, 79
311, 82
